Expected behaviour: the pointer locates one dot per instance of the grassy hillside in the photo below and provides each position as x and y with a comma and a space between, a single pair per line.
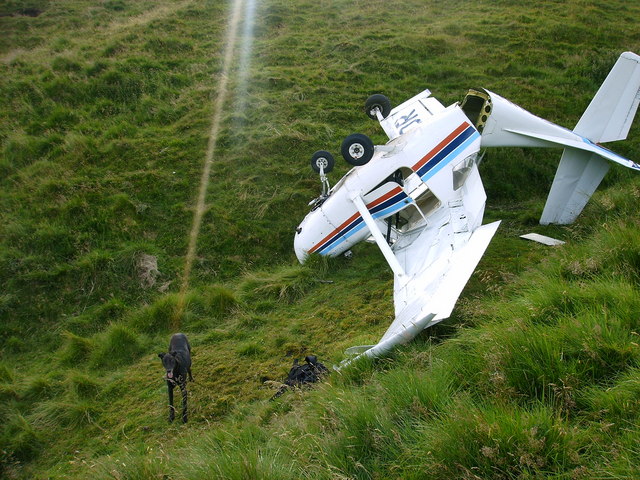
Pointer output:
109, 112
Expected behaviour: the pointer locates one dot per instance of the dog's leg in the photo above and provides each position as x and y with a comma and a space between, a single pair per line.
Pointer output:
183, 389
172, 410
190, 376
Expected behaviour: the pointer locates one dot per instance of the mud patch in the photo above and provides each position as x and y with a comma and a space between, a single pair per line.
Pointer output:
29, 12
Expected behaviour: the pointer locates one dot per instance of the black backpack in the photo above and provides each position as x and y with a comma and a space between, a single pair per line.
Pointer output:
299, 375
310, 372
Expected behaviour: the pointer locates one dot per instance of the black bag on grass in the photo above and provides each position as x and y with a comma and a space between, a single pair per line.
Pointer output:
310, 372
299, 375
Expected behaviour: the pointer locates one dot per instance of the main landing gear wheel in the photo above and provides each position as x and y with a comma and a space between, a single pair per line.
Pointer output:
357, 149
324, 159
379, 103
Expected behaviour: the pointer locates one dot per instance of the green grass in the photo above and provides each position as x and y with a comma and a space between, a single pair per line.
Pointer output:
106, 111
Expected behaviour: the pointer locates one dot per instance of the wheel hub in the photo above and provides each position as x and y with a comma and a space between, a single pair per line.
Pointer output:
322, 162
356, 151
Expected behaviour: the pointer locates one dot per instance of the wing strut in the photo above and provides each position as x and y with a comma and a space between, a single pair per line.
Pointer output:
378, 236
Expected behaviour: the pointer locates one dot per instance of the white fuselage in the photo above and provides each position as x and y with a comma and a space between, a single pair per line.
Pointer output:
419, 179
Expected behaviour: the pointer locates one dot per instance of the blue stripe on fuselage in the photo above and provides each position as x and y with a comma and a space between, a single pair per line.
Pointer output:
433, 166
458, 144
388, 207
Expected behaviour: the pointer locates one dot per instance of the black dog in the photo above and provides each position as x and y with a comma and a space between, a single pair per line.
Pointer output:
177, 363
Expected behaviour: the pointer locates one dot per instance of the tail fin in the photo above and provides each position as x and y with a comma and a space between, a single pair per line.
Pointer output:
607, 118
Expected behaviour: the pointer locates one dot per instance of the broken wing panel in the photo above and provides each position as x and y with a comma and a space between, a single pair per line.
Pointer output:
434, 289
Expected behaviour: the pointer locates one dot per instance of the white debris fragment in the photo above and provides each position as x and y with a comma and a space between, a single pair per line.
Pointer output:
552, 242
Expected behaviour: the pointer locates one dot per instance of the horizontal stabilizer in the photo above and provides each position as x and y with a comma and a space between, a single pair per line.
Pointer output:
610, 114
579, 143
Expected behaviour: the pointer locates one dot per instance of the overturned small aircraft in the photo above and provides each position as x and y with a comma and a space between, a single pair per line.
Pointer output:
421, 198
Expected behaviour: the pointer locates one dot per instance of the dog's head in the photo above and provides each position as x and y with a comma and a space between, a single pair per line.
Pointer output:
168, 362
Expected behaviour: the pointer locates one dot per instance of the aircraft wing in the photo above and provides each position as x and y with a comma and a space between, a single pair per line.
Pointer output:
431, 289
429, 276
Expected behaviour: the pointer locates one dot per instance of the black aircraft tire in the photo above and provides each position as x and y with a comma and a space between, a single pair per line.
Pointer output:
380, 102
357, 149
324, 158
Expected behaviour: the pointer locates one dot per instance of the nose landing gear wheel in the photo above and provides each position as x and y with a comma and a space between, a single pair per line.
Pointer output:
357, 149
324, 159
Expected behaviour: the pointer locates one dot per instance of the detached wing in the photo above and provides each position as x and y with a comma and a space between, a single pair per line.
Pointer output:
431, 289
426, 292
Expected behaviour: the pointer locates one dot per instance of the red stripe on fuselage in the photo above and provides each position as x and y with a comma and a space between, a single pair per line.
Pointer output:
328, 237
353, 217
384, 198
440, 146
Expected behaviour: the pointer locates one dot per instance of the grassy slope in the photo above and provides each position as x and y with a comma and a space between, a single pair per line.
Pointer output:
106, 110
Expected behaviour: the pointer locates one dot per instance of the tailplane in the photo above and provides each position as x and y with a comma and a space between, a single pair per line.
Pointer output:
607, 118
584, 161
610, 114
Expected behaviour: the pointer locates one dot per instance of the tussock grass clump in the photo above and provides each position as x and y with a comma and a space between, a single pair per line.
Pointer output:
75, 349
287, 284
239, 453
476, 441
613, 252
41, 387
251, 322
116, 347
250, 349
357, 426
20, 440
8, 389
68, 412
14, 344
418, 394
6, 373
550, 363
617, 403
82, 385
161, 316
194, 310
94, 320
219, 300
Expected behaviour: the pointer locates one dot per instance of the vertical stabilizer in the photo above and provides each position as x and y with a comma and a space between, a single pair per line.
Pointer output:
579, 174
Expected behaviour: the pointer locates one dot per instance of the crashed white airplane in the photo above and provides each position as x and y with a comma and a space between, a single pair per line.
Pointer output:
421, 198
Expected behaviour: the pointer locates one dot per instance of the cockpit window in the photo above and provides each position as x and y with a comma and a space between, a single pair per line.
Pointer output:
462, 170
417, 213
397, 177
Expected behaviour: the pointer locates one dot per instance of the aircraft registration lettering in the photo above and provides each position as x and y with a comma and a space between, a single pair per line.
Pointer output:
406, 121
